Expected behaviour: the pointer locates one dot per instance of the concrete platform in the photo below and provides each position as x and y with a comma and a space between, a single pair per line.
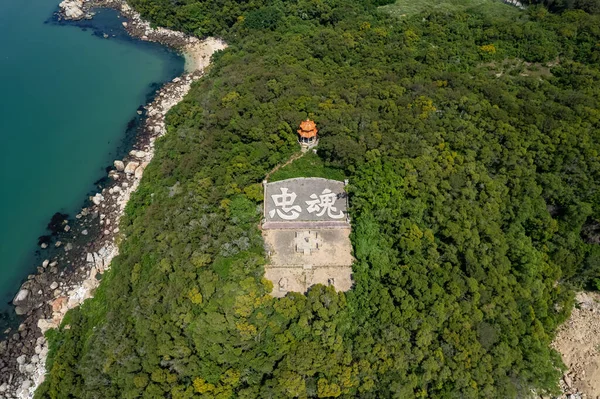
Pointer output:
305, 225
299, 259
306, 229
298, 279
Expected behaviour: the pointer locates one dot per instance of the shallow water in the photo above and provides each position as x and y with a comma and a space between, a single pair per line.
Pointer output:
67, 96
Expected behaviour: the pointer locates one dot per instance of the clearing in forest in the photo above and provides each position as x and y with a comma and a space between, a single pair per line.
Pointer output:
406, 8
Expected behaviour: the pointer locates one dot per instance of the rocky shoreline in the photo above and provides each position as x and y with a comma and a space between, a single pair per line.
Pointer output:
85, 246
197, 51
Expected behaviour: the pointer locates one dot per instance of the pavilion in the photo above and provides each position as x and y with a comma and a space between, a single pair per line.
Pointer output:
307, 134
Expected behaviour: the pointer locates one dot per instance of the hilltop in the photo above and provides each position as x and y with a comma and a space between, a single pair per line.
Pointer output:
473, 194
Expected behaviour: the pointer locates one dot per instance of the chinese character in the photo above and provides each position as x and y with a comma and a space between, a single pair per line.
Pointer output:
286, 202
324, 203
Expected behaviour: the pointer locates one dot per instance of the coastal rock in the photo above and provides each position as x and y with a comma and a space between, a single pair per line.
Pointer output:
72, 9
97, 199
119, 165
137, 154
46, 324
45, 263
21, 297
23, 302
131, 167
20, 311
139, 172
58, 303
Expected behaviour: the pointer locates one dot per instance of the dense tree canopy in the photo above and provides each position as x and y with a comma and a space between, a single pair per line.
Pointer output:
590, 6
471, 142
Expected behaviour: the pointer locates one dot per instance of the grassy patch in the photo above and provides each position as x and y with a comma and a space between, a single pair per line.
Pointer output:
407, 8
309, 165
514, 67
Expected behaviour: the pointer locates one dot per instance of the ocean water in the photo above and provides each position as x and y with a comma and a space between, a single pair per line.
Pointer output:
67, 95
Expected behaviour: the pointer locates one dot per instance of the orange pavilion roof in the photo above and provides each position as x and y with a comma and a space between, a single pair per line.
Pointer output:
308, 129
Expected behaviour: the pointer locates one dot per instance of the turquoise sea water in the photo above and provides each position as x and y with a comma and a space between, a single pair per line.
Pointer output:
66, 98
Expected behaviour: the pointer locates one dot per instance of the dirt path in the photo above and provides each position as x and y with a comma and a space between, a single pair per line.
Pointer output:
578, 341
289, 161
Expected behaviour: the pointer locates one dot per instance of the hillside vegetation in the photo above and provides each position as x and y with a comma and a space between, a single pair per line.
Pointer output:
406, 8
474, 203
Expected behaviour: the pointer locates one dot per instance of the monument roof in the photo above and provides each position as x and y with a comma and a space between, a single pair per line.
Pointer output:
308, 129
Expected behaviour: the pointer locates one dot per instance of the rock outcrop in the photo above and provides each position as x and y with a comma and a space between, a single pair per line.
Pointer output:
578, 341
131, 167
119, 166
73, 9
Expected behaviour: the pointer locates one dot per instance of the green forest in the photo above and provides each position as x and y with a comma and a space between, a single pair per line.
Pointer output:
471, 139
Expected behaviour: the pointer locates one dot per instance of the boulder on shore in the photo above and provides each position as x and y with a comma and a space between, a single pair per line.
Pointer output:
131, 167
137, 153
97, 199
21, 297
72, 9
58, 303
119, 165
46, 324
20, 311
139, 172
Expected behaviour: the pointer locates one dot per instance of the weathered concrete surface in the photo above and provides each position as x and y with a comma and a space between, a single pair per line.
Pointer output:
286, 248
299, 259
298, 279
306, 225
